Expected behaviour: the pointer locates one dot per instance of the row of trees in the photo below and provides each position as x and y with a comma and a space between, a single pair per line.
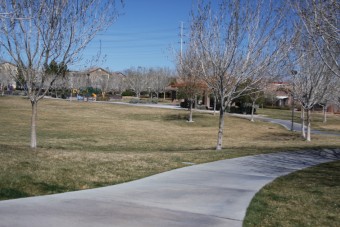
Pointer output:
152, 80
234, 46
237, 46
137, 80
315, 56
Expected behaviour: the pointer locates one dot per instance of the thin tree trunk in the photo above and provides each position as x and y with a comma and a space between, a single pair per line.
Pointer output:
308, 125
215, 104
324, 114
252, 111
220, 129
34, 124
190, 111
303, 133
196, 102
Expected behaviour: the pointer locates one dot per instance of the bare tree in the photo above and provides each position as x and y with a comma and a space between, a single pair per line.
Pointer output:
118, 82
255, 94
191, 83
320, 20
331, 97
137, 80
103, 82
38, 32
159, 79
310, 83
234, 43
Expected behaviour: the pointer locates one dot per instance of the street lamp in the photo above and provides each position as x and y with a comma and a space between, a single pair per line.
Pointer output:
294, 72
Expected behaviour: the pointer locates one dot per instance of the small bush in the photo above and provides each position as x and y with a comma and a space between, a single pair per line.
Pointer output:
100, 98
143, 101
116, 97
278, 107
154, 101
186, 104
20, 93
137, 101
128, 93
244, 109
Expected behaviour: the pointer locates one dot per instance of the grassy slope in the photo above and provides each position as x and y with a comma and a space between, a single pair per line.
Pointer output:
86, 145
309, 197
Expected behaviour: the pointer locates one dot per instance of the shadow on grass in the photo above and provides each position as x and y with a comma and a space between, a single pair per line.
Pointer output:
52, 188
11, 193
175, 117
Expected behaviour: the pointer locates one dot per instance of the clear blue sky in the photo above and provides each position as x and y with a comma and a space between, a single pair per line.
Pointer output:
145, 35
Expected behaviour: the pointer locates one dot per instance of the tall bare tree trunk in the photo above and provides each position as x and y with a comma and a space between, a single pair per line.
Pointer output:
34, 124
324, 114
190, 111
308, 125
215, 104
220, 129
303, 133
252, 111
196, 101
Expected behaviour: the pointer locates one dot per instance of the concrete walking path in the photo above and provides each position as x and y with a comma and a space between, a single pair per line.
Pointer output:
211, 194
285, 123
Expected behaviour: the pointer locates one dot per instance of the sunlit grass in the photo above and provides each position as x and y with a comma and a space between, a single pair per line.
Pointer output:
84, 145
309, 197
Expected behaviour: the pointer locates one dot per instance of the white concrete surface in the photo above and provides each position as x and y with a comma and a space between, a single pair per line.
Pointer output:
212, 194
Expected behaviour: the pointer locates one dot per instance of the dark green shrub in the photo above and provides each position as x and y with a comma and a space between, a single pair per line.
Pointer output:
128, 93
186, 104
154, 101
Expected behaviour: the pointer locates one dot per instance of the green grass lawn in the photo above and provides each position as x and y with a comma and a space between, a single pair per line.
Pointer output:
85, 145
309, 197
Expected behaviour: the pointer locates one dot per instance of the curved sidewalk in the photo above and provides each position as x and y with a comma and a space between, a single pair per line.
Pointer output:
211, 194
285, 123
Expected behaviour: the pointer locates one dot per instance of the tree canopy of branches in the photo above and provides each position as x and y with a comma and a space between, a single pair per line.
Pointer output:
159, 80
35, 33
190, 75
311, 82
137, 80
235, 42
320, 21
152, 80
315, 55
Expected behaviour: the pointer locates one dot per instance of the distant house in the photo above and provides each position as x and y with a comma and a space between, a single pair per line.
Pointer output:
280, 93
201, 87
334, 108
282, 96
97, 78
7, 73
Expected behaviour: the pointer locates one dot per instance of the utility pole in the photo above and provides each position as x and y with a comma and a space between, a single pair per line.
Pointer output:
294, 72
181, 42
